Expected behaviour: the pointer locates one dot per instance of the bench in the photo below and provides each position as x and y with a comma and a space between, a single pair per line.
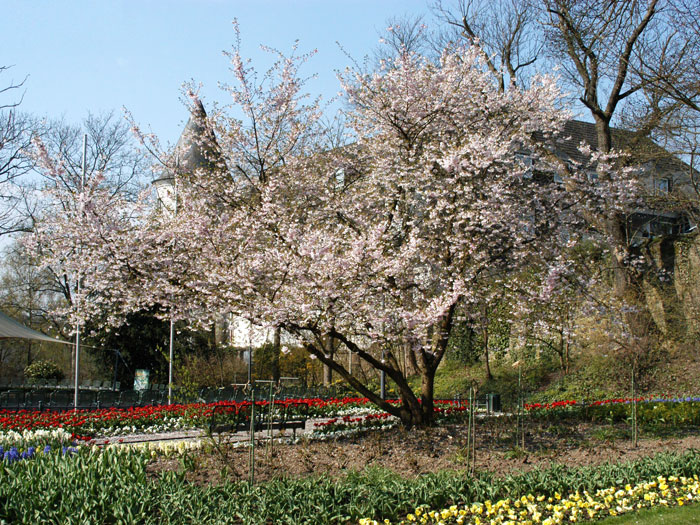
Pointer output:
236, 417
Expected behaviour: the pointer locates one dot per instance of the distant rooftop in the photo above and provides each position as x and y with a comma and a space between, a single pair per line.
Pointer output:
577, 131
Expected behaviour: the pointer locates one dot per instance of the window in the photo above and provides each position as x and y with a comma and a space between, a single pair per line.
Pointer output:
662, 185
526, 161
340, 178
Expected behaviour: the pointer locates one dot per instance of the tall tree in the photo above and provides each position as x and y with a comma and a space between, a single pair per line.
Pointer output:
108, 199
374, 245
505, 32
16, 132
370, 247
628, 61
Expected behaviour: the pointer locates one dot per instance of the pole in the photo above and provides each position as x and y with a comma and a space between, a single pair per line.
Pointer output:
252, 435
250, 353
172, 322
634, 408
170, 362
382, 380
77, 324
116, 366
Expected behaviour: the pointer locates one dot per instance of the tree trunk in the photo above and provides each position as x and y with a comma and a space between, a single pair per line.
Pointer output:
484, 328
485, 340
29, 341
602, 128
562, 355
327, 375
426, 396
487, 358
411, 412
276, 346
628, 281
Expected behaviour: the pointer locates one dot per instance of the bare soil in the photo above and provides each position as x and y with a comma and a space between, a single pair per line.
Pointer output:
419, 451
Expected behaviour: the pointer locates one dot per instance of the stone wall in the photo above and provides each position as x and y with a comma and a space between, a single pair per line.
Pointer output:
687, 279
673, 291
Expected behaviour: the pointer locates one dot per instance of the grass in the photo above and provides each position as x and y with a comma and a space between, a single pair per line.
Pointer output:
686, 515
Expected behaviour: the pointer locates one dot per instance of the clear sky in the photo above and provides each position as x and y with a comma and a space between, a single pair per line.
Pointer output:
102, 55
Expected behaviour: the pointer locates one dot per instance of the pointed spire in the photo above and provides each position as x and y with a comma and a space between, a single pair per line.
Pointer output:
196, 147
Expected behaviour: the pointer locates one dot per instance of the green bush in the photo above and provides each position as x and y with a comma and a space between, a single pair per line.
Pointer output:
43, 370
650, 415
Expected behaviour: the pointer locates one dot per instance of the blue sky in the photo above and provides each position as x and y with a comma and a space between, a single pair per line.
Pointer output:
102, 55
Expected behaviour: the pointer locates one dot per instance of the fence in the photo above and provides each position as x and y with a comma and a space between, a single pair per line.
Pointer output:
92, 396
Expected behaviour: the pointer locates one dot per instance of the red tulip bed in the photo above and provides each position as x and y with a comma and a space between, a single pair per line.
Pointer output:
87, 424
652, 411
347, 412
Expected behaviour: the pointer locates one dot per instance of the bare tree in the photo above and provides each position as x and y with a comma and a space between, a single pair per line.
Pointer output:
16, 132
672, 66
631, 61
111, 152
404, 34
669, 111
28, 293
601, 41
626, 57
507, 33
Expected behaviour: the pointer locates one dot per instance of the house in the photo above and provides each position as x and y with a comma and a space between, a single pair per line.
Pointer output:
663, 175
666, 180
189, 156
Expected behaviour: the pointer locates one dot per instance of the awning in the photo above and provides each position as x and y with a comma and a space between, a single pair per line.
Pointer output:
11, 328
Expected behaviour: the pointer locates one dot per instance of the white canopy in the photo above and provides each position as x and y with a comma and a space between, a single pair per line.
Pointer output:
11, 328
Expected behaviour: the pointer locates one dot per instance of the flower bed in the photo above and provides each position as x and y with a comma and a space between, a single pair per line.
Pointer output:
614, 401
86, 424
577, 506
652, 412
37, 438
114, 483
348, 426
15, 454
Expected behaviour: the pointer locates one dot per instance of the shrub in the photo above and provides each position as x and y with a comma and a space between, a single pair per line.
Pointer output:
43, 370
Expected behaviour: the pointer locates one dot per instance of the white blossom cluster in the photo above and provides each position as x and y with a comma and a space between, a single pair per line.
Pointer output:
167, 425
34, 438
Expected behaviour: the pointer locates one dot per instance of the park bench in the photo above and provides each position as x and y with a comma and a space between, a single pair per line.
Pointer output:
229, 418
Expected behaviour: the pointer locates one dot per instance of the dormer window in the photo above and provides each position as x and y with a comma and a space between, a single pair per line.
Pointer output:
525, 160
339, 178
662, 185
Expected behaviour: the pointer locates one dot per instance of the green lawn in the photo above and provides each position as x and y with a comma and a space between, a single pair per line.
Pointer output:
685, 515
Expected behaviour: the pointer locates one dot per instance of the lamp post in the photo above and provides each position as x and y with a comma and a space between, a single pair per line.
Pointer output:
77, 286
167, 200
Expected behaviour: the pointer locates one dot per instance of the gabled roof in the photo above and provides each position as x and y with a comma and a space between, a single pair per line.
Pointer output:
643, 148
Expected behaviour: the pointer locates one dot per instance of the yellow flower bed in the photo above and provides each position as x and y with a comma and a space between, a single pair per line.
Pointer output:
573, 508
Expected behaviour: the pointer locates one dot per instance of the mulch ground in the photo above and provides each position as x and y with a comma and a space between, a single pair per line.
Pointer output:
415, 452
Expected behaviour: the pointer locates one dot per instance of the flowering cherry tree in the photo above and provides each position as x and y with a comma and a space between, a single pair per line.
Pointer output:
371, 247
82, 226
